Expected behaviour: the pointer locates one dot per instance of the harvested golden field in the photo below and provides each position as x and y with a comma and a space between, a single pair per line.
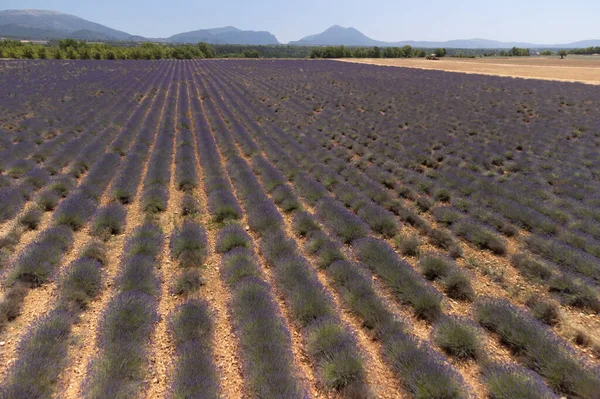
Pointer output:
573, 69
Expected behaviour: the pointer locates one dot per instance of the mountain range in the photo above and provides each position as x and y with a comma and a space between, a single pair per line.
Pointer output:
44, 24
337, 35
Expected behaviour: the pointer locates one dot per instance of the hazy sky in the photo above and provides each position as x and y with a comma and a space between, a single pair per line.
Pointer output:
537, 21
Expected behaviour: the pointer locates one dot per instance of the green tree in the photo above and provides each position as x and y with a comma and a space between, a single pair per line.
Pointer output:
206, 49
66, 43
406, 51
251, 54
440, 52
28, 52
42, 53
562, 53
518, 52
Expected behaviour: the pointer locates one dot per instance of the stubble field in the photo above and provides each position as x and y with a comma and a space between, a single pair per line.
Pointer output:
296, 229
584, 69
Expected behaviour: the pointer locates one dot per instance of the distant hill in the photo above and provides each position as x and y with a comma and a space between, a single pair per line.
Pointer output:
44, 24
337, 35
226, 35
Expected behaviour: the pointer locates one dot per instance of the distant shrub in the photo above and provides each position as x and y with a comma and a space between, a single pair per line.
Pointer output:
186, 176
37, 178
328, 253
444, 240
545, 311
239, 264
446, 215
458, 286
424, 204
566, 256
47, 200
138, 275
189, 244
232, 236
95, 250
109, 221
310, 189
434, 267
380, 220
188, 282
340, 364
575, 293
189, 205
480, 236
504, 382
62, 185
360, 296
82, 282
31, 219
442, 195
19, 167
407, 245
344, 223
406, 192
263, 216
12, 201
38, 260
531, 268
145, 240
154, 199
424, 373
458, 338
74, 212
223, 206
304, 224
12, 303
284, 198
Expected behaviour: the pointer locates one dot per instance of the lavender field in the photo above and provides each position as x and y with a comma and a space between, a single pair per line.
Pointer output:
296, 229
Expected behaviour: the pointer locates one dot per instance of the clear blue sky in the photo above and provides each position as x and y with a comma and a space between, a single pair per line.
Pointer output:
536, 21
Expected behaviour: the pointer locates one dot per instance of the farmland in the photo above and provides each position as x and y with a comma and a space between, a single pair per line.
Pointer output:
294, 229
585, 69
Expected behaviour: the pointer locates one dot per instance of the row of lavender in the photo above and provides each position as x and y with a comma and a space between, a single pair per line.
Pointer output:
42, 351
331, 203
476, 227
349, 231
483, 179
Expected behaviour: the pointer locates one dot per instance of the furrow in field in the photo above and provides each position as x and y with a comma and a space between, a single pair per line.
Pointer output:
37, 301
224, 342
85, 348
305, 372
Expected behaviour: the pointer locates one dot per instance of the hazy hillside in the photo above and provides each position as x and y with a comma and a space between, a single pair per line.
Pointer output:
337, 35
225, 35
45, 24
53, 24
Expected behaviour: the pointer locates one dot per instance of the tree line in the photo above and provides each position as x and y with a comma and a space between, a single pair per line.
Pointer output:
372, 52
73, 49
78, 50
